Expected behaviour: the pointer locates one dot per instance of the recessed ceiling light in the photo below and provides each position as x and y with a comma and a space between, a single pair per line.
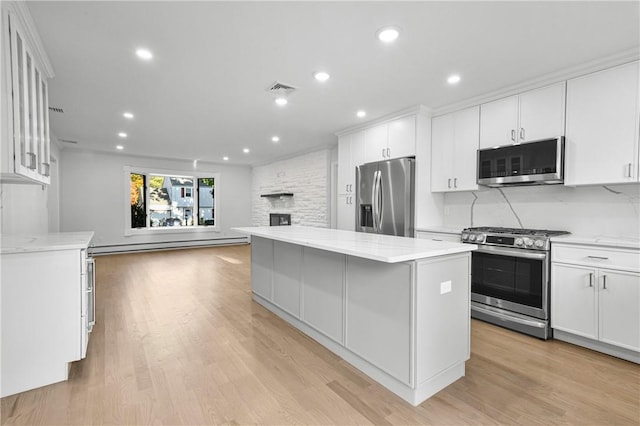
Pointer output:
275, 139
245, 150
361, 113
453, 79
122, 134
388, 34
120, 147
281, 101
127, 115
144, 54
225, 158
321, 76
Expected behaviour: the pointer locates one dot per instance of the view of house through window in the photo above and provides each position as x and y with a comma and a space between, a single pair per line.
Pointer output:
161, 200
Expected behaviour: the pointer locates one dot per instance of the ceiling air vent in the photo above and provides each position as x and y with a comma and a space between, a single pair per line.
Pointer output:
280, 88
56, 109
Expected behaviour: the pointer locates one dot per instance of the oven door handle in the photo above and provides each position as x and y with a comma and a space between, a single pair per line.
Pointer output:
511, 252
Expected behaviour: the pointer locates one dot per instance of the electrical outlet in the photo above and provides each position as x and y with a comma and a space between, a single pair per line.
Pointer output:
445, 287
447, 210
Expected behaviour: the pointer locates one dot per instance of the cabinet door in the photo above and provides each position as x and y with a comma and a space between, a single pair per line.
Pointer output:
347, 212
375, 144
573, 300
464, 158
323, 292
357, 152
402, 137
602, 114
498, 122
262, 267
345, 178
379, 314
619, 308
287, 276
442, 153
542, 113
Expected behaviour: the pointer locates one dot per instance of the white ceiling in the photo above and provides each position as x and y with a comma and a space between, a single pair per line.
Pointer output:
203, 95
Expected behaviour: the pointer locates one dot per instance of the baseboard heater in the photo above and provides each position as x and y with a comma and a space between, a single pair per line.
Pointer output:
165, 245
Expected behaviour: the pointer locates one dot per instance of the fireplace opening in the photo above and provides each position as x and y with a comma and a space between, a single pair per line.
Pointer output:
279, 219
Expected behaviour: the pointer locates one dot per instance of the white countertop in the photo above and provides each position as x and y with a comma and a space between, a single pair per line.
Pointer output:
441, 230
383, 248
630, 242
45, 242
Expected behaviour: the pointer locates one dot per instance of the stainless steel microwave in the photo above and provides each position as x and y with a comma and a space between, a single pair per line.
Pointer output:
531, 163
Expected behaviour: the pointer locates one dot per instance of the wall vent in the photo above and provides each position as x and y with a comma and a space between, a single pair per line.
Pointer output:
280, 88
56, 109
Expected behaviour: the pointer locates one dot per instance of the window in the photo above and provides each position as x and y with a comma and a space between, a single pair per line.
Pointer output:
161, 200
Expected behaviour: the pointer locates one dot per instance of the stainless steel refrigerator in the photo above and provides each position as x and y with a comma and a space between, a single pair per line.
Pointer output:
386, 197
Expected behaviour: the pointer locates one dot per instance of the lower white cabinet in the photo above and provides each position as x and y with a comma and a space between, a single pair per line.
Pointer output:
47, 313
379, 314
439, 236
595, 298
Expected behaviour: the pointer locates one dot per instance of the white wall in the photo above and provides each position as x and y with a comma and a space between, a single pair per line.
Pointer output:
307, 177
611, 210
30, 208
92, 197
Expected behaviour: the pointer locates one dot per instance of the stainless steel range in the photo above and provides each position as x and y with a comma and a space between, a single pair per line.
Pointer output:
510, 274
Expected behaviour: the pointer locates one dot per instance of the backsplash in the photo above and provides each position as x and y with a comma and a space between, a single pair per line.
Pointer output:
306, 176
612, 210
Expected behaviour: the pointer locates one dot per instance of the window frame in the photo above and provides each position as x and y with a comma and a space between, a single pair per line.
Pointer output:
148, 230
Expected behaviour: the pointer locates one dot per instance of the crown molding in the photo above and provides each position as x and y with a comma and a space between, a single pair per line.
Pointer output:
599, 64
414, 110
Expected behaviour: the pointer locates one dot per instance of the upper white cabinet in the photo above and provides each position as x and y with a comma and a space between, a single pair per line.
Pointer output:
454, 145
25, 102
602, 127
393, 139
529, 116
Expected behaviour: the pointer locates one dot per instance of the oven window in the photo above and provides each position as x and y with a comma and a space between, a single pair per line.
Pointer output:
508, 278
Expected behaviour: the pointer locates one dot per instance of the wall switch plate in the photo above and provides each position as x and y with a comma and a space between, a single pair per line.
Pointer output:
445, 287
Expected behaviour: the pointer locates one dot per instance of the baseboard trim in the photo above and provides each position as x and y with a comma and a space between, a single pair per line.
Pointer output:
98, 250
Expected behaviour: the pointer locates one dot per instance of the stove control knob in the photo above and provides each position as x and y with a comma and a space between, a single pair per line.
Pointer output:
519, 242
528, 242
539, 244
472, 237
465, 236
480, 238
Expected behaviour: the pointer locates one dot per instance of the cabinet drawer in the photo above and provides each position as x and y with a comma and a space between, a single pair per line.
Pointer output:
438, 236
596, 256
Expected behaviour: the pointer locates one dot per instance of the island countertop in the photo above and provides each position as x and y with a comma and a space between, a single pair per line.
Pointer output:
45, 242
382, 248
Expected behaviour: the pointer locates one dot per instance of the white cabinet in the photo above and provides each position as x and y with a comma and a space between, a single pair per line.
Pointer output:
454, 145
25, 102
47, 309
393, 139
287, 264
595, 295
529, 116
602, 127
379, 314
350, 155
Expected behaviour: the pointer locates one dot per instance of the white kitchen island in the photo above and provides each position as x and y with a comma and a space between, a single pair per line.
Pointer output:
396, 308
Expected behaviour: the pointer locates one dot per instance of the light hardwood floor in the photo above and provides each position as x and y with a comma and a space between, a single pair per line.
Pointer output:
179, 341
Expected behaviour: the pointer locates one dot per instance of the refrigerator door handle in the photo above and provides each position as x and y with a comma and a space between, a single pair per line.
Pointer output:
374, 200
380, 201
